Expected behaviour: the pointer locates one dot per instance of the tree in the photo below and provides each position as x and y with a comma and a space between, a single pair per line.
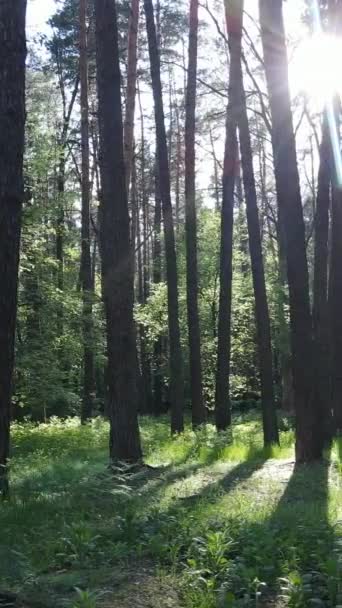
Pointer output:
198, 409
176, 366
133, 24
335, 281
234, 24
115, 243
86, 270
157, 277
12, 125
222, 399
320, 283
308, 443
65, 61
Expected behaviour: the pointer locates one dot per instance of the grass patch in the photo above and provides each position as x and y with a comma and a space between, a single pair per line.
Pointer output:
219, 521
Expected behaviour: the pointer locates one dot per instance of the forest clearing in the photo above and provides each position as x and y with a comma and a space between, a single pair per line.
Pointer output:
170, 304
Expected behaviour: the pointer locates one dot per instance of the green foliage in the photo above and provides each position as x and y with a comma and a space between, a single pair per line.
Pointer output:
153, 314
232, 523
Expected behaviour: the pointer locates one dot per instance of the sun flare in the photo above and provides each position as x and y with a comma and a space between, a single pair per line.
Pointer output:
315, 69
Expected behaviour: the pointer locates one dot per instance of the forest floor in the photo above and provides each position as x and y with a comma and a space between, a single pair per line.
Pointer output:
214, 521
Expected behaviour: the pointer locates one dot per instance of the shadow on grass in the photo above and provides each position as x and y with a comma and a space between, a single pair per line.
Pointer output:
295, 543
238, 474
154, 484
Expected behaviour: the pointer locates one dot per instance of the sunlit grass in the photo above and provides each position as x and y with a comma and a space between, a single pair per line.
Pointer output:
71, 523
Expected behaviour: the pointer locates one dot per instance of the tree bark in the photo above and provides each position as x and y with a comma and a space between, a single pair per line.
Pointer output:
12, 126
222, 399
60, 222
86, 268
320, 284
115, 243
176, 365
197, 404
133, 25
270, 428
60, 229
157, 277
308, 442
147, 400
335, 294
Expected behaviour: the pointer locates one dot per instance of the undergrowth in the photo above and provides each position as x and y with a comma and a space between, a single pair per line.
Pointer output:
226, 522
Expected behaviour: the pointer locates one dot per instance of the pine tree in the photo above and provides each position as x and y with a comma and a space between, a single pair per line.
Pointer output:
12, 125
86, 270
176, 366
198, 409
222, 389
115, 243
308, 443
234, 26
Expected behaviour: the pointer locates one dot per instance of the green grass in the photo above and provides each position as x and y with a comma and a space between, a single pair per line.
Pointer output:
217, 520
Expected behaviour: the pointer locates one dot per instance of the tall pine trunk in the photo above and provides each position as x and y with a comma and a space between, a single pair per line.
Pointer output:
157, 277
60, 230
269, 417
320, 284
308, 442
335, 292
176, 365
12, 125
133, 25
198, 409
115, 243
222, 398
86, 269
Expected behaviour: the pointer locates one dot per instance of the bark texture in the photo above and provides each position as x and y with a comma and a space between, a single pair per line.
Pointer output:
335, 291
115, 244
270, 428
157, 277
308, 445
12, 126
197, 404
86, 266
320, 285
133, 25
176, 365
222, 399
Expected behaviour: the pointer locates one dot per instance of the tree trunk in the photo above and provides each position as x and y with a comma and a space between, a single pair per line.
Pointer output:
222, 399
133, 25
115, 243
144, 288
178, 168
335, 295
308, 442
86, 271
216, 173
270, 427
60, 228
146, 401
284, 348
60, 222
12, 125
198, 408
157, 277
176, 365
320, 285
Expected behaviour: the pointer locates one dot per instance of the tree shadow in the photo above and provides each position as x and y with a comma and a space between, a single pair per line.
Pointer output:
152, 480
293, 547
238, 474
295, 543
